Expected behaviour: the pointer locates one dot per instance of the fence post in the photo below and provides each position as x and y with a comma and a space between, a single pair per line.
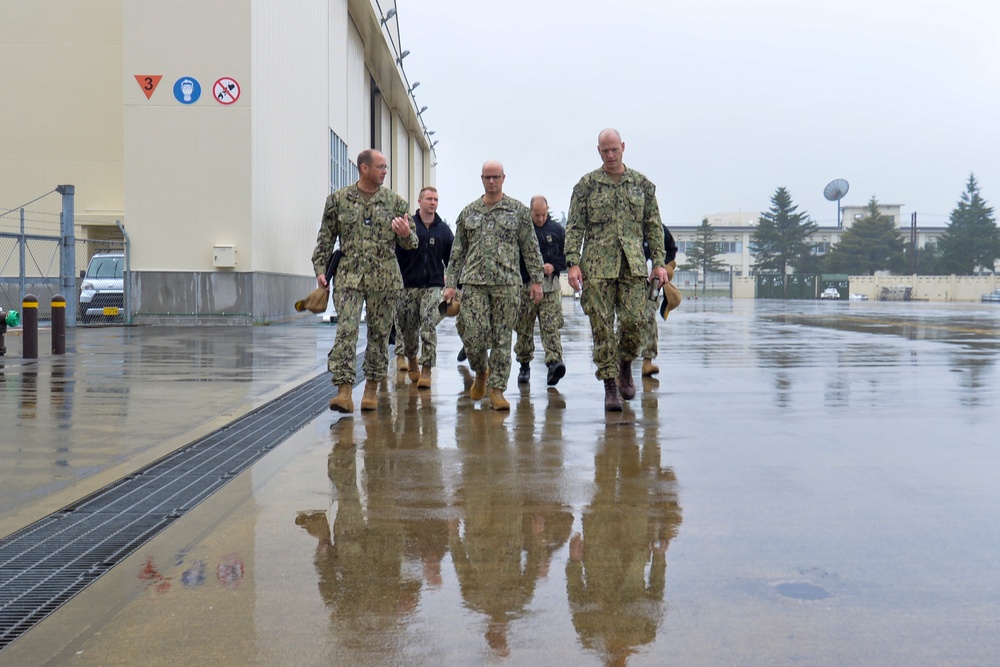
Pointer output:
58, 324
67, 249
29, 321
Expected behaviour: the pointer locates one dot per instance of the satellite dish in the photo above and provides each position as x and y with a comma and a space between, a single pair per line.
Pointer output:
835, 191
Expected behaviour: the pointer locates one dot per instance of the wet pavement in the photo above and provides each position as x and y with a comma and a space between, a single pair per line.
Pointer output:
805, 483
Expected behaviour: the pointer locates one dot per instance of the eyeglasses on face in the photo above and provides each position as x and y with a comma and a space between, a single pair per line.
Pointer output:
492, 177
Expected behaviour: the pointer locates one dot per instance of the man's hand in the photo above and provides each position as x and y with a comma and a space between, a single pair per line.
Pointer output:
660, 273
548, 269
575, 278
321, 280
535, 292
401, 226
448, 294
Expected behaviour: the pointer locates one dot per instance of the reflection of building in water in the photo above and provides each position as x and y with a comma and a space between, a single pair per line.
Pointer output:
511, 522
360, 563
616, 574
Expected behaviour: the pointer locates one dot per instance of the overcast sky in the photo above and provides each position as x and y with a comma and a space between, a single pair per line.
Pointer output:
719, 102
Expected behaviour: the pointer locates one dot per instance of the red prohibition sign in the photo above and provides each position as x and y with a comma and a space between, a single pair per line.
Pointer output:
226, 90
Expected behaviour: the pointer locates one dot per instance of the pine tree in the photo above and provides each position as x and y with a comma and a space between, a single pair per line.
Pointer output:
873, 243
781, 239
972, 240
702, 253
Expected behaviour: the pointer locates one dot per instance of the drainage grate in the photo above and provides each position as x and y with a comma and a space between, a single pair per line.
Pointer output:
46, 563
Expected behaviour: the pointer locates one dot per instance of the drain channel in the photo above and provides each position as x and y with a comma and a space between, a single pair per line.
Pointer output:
43, 565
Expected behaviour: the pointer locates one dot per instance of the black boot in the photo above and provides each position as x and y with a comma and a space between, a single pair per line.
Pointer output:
524, 375
625, 385
556, 370
612, 401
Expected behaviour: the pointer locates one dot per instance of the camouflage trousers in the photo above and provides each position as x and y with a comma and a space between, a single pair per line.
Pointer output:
651, 331
602, 300
487, 321
417, 318
550, 319
380, 306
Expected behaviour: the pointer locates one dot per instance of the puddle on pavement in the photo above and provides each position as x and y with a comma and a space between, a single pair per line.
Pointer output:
802, 591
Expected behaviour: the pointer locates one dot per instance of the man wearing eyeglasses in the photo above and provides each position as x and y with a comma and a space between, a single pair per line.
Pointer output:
611, 210
369, 221
491, 234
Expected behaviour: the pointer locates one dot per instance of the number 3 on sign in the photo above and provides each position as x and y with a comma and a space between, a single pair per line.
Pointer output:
148, 83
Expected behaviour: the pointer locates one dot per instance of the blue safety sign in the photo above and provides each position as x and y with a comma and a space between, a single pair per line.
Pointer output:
187, 90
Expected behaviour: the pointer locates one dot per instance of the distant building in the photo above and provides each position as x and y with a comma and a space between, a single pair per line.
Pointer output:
734, 230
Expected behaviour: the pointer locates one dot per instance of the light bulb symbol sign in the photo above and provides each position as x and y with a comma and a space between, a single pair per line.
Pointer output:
187, 90
226, 90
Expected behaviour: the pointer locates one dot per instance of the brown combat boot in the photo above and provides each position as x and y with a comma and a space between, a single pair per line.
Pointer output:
369, 400
342, 402
401, 364
425, 377
414, 369
479, 385
497, 401
612, 401
649, 369
625, 385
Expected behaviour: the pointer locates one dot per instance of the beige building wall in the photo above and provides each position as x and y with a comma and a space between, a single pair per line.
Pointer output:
60, 73
247, 177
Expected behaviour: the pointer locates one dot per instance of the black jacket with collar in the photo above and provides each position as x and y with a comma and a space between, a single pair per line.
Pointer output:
551, 243
669, 245
424, 266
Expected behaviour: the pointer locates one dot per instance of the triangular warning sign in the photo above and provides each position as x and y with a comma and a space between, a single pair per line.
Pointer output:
148, 83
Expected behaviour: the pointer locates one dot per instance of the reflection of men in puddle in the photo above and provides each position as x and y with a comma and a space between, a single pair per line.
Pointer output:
539, 472
616, 607
360, 564
419, 487
499, 551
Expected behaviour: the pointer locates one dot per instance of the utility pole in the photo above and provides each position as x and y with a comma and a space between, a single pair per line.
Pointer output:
913, 243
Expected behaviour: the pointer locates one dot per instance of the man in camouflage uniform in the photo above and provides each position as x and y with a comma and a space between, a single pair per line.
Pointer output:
423, 271
651, 331
551, 237
612, 208
489, 234
369, 221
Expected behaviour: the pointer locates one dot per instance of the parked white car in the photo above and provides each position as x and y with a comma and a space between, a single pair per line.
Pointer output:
830, 293
103, 288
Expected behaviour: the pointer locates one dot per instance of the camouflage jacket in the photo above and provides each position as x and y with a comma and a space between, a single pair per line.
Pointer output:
364, 229
489, 241
610, 220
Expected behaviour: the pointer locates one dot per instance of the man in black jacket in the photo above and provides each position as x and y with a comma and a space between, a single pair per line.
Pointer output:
551, 238
650, 332
423, 269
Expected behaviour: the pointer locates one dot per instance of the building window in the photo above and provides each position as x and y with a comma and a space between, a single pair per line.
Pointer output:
724, 247
343, 172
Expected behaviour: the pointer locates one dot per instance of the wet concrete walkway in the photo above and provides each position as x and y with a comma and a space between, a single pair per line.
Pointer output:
805, 483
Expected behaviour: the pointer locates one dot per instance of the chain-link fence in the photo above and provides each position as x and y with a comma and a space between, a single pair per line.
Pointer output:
93, 277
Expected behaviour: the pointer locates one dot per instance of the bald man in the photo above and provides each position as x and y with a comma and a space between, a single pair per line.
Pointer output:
551, 237
612, 209
490, 234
